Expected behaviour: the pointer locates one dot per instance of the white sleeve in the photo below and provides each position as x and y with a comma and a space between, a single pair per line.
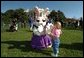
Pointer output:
36, 31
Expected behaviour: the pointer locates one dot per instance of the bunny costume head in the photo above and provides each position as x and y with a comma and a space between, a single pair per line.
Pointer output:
40, 20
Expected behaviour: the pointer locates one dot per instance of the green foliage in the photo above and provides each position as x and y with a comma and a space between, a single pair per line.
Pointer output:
19, 12
61, 15
53, 15
6, 19
11, 14
57, 16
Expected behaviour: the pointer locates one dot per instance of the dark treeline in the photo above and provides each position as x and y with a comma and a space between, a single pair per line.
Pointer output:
22, 17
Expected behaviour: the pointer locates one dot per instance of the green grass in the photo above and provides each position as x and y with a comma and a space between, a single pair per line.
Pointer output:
17, 44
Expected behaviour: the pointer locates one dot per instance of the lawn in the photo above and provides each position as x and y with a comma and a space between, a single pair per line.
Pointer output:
17, 44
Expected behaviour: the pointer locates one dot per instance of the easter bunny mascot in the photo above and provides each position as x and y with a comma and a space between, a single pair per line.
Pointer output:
40, 39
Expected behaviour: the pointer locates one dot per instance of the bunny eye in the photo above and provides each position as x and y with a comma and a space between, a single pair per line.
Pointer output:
43, 20
37, 20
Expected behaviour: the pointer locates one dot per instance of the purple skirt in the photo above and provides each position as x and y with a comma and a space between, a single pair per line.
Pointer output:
40, 42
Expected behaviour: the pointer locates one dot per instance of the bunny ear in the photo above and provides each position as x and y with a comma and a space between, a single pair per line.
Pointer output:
47, 11
36, 11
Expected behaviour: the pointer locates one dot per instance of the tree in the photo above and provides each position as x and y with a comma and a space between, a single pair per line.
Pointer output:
20, 13
81, 22
57, 16
53, 15
61, 15
10, 13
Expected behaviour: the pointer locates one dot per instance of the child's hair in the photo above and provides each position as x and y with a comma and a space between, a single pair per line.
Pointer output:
58, 24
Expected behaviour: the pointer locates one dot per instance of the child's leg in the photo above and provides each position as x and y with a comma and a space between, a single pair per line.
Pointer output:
57, 48
55, 45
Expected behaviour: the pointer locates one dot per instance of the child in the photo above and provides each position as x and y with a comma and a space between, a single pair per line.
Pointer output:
55, 34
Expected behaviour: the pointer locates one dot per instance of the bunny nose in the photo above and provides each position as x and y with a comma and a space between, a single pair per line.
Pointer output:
41, 24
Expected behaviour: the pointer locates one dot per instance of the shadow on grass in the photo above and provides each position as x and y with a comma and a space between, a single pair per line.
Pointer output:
24, 46
73, 46
7, 30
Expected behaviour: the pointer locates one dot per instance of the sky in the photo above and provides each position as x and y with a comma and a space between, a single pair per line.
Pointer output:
71, 9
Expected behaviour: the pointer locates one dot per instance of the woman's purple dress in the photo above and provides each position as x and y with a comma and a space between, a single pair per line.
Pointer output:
40, 42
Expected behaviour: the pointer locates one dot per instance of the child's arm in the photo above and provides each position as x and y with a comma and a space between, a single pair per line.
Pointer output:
52, 35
